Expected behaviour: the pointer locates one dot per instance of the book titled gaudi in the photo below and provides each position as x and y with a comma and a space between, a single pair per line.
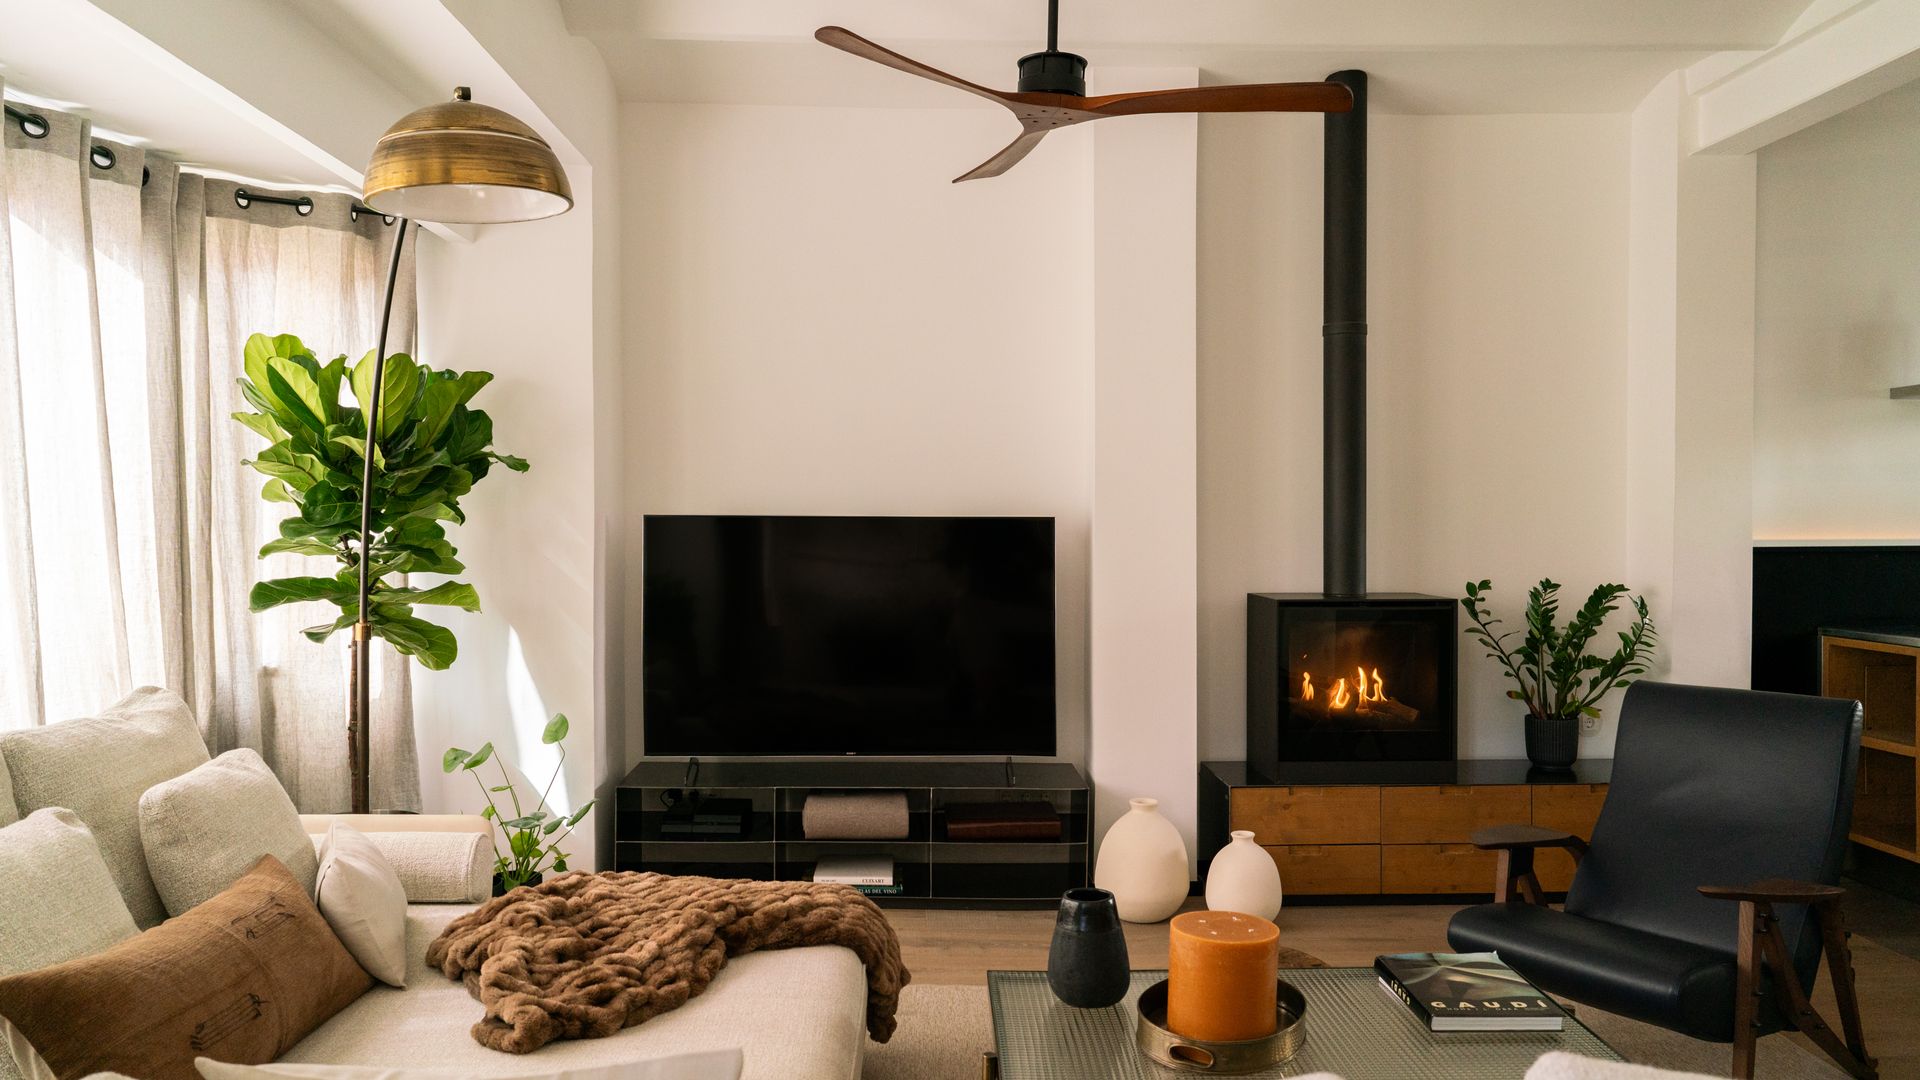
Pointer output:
1467, 992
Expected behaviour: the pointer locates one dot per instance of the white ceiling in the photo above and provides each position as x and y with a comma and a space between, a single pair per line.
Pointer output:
1425, 56
74, 57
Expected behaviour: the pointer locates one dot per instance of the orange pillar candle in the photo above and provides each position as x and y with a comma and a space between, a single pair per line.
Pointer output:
1223, 968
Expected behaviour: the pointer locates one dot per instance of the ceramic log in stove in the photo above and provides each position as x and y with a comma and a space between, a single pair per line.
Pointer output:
1344, 678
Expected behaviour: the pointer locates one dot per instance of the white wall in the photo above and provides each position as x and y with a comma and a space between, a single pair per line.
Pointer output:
818, 322
1838, 323
1496, 382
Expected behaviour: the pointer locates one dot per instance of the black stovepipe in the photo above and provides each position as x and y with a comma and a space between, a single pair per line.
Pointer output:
1344, 346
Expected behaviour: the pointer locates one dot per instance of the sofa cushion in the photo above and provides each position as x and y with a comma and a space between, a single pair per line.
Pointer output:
98, 767
57, 900
693, 1065
242, 977
364, 902
205, 828
818, 1033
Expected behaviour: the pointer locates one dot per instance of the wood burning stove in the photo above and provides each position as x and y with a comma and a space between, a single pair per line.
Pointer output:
1350, 679
1348, 676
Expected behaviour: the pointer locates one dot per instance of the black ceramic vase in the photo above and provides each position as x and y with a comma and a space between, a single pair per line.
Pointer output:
1552, 744
1087, 964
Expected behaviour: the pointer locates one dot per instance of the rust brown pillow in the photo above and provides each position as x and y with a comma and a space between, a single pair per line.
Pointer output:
241, 978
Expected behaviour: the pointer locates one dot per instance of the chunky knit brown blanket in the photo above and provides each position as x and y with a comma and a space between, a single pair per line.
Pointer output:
584, 955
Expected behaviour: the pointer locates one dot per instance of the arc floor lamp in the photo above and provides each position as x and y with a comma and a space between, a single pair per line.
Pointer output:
456, 162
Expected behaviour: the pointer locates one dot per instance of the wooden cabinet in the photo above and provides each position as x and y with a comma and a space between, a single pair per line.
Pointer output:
1449, 815
1399, 838
1881, 672
1328, 869
1309, 815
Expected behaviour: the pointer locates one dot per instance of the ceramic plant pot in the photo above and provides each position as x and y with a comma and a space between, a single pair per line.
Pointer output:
500, 883
1244, 878
1087, 963
1143, 863
1552, 744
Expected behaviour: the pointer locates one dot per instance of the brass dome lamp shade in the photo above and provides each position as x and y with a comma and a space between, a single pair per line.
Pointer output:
457, 162
465, 163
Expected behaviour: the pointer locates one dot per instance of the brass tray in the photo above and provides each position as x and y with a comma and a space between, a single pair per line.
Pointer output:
1196, 1055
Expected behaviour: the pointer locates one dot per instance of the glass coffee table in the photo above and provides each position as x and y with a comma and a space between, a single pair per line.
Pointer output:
1354, 1029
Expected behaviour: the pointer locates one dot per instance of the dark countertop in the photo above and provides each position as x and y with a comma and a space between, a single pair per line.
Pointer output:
1484, 771
1890, 634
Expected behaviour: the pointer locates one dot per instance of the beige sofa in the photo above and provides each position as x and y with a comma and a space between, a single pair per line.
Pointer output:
797, 1014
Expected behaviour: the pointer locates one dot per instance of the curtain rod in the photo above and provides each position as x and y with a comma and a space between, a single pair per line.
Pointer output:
36, 126
302, 205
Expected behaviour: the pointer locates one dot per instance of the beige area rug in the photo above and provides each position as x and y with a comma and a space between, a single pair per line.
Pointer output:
944, 1030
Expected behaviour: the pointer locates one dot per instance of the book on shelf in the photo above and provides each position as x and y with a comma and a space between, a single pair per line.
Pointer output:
1467, 992
880, 890
854, 870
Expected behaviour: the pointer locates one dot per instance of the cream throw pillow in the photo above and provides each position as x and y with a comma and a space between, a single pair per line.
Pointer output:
204, 830
97, 767
57, 900
364, 902
698, 1065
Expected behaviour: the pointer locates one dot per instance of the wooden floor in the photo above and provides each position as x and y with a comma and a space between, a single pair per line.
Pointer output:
945, 947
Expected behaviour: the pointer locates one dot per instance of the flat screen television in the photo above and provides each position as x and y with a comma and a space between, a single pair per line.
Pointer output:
812, 636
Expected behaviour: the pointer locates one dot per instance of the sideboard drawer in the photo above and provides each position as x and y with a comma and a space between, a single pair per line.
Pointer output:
1327, 869
1569, 807
1308, 815
1449, 815
1436, 868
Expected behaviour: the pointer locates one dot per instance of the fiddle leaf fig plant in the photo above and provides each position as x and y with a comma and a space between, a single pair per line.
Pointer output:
1557, 678
532, 846
430, 450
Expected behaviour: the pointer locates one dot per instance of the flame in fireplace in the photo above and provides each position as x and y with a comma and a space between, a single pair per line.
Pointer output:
1364, 689
1361, 696
1371, 691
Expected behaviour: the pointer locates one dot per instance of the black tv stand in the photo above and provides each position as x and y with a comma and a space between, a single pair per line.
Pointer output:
930, 867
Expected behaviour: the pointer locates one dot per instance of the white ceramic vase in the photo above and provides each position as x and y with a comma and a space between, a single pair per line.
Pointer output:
1143, 863
1244, 878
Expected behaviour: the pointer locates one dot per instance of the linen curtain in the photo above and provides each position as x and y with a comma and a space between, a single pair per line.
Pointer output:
128, 523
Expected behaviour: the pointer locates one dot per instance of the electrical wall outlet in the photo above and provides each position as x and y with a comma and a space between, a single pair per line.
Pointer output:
1589, 725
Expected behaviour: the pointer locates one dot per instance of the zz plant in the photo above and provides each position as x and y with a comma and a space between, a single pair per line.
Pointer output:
1556, 677
532, 846
430, 450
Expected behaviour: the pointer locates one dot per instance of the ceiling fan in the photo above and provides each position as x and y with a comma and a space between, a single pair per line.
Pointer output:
1053, 93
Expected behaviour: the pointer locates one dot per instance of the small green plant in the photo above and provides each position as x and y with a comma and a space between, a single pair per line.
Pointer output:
532, 846
1557, 679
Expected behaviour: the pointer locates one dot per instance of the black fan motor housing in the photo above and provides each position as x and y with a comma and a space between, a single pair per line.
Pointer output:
1053, 72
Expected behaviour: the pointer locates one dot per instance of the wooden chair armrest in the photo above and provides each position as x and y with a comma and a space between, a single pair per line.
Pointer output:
1509, 837
1775, 891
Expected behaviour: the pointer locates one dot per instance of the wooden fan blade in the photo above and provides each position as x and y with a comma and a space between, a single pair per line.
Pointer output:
1007, 158
1322, 97
849, 42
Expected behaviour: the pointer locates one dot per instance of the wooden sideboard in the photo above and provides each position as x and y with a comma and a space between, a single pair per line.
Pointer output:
1396, 829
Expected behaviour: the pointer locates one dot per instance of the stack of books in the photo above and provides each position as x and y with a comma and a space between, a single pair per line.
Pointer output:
871, 874
1467, 992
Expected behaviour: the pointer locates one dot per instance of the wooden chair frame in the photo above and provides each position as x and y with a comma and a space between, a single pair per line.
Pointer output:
1761, 951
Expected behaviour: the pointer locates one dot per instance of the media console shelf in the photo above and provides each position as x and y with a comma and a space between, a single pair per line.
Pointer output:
1881, 670
928, 865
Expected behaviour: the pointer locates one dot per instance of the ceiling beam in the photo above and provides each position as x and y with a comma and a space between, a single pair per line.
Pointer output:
1856, 55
